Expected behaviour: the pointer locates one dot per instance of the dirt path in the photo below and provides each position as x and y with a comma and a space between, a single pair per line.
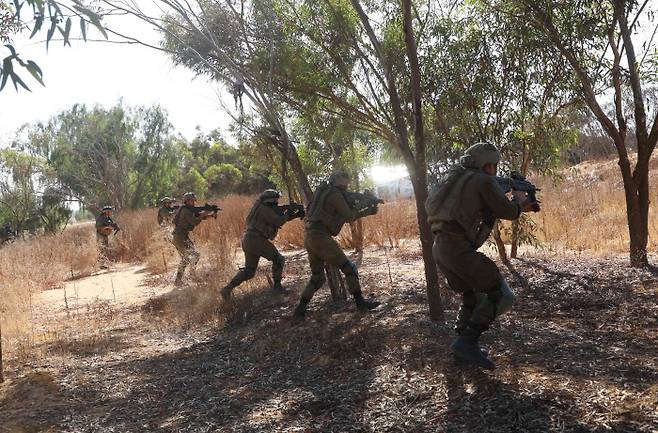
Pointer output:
124, 285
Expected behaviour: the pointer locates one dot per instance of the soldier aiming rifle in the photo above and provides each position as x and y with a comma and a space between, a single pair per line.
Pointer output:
328, 211
263, 223
105, 226
462, 210
185, 220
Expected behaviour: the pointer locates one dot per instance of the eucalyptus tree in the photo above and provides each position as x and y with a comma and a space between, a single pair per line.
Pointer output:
487, 81
236, 43
605, 48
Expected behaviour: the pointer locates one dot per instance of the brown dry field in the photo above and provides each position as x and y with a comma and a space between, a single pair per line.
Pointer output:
122, 351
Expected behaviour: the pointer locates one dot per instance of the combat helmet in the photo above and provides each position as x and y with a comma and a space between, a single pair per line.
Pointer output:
338, 174
189, 196
480, 154
269, 196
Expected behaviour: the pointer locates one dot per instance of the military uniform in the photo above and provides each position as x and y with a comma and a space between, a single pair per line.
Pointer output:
104, 227
327, 214
263, 223
165, 215
462, 212
184, 221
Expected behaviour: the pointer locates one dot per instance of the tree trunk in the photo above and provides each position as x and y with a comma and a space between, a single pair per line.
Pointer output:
296, 166
500, 245
636, 212
426, 241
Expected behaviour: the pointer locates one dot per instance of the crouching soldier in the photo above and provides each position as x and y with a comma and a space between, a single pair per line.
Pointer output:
104, 228
185, 220
327, 213
462, 211
263, 223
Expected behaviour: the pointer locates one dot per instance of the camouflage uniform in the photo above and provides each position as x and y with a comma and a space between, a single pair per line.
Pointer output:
327, 214
103, 222
165, 215
462, 215
184, 221
263, 223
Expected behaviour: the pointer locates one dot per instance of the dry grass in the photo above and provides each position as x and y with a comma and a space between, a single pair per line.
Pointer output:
586, 211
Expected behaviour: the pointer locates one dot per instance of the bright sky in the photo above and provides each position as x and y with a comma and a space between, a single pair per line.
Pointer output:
102, 73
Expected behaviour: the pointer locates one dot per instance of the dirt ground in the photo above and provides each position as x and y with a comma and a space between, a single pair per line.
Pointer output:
579, 353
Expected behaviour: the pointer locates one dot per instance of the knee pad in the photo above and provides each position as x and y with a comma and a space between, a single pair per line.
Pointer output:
349, 268
317, 280
248, 273
502, 298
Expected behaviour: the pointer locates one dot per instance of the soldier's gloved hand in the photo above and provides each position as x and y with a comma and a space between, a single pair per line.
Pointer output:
519, 196
530, 206
370, 210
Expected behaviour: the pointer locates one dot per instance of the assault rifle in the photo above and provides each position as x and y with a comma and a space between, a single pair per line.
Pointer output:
517, 182
208, 208
361, 201
293, 210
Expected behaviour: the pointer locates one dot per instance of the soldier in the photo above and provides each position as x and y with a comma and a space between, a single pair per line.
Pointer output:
263, 222
327, 213
462, 211
166, 212
185, 220
104, 227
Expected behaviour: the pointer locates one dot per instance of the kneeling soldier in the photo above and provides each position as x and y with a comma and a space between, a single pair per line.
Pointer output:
462, 211
263, 222
327, 213
104, 228
185, 220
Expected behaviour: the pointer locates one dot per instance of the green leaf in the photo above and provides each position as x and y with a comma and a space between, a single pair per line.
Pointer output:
66, 32
51, 31
83, 28
17, 80
11, 49
94, 18
35, 71
6, 70
37, 26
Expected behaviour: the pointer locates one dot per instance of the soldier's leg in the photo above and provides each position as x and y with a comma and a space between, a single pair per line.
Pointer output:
457, 284
334, 255
270, 252
314, 284
245, 273
104, 247
180, 245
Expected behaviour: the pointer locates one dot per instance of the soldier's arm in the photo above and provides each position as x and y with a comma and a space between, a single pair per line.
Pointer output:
337, 201
497, 202
270, 217
191, 218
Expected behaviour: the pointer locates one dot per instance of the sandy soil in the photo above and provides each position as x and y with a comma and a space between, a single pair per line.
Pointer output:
122, 284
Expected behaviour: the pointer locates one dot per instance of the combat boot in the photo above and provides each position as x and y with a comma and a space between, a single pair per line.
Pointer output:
466, 347
225, 292
278, 288
363, 305
300, 311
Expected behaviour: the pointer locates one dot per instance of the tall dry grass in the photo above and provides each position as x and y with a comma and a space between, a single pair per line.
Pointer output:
585, 211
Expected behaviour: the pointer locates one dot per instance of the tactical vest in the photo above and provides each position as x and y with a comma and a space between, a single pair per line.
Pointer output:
255, 221
443, 205
317, 216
